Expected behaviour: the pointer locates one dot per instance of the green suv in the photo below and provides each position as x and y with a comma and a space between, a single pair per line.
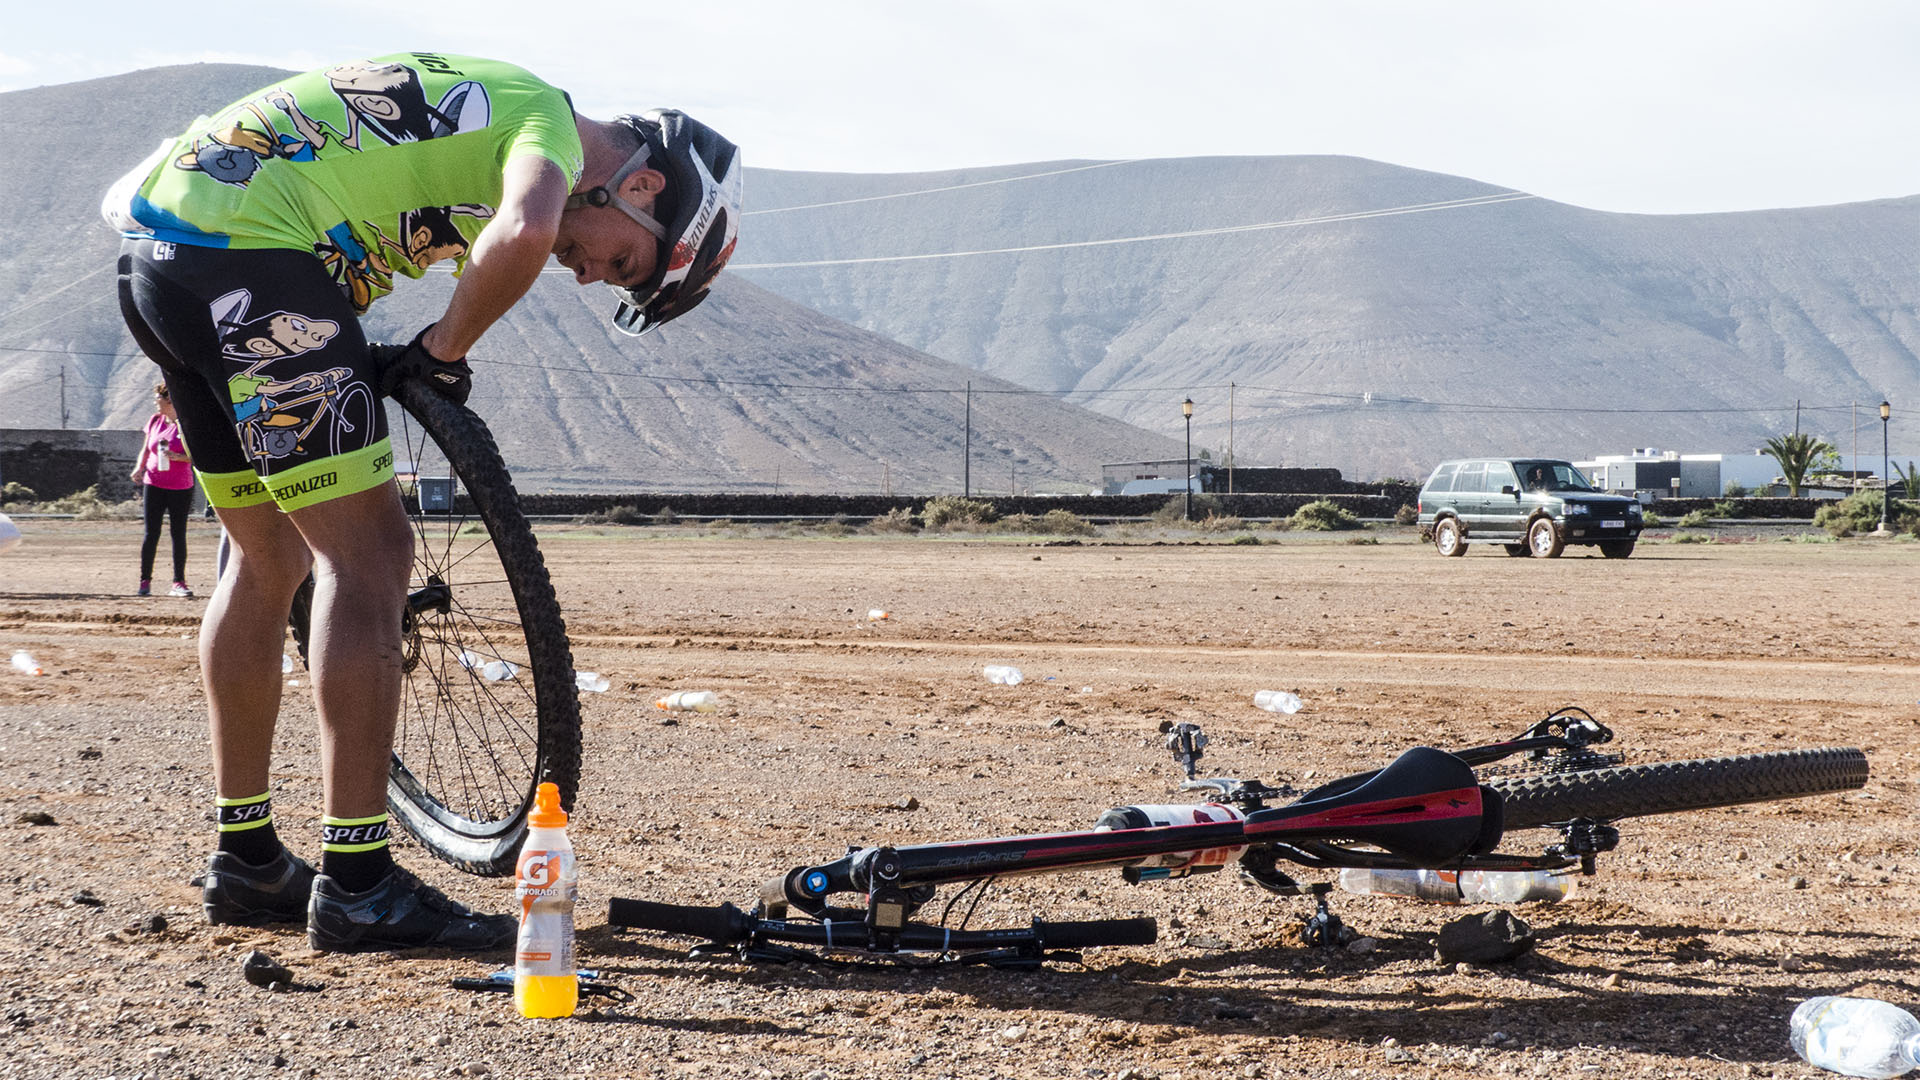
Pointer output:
1529, 506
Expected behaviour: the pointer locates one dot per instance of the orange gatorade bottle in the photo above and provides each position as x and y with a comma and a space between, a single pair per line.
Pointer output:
545, 982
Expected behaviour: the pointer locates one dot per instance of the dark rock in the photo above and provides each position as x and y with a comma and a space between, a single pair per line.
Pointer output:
1492, 938
36, 817
154, 924
85, 898
263, 971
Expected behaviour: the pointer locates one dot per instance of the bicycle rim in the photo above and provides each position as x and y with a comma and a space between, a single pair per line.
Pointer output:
488, 706
1670, 787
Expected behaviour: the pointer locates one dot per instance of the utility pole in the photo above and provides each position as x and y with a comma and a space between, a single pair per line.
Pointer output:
63, 397
1229, 438
966, 463
886, 478
1796, 416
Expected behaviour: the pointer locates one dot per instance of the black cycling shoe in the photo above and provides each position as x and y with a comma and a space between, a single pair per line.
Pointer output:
401, 912
237, 893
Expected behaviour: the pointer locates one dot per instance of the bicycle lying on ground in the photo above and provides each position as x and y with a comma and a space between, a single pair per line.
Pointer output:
489, 707
1428, 809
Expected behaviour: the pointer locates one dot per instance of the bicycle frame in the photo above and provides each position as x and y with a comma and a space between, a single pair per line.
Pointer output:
1426, 810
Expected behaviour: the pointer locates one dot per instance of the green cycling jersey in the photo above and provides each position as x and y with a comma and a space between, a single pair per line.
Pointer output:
379, 167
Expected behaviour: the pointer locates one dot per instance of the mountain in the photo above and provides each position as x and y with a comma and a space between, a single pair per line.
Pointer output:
751, 392
1338, 311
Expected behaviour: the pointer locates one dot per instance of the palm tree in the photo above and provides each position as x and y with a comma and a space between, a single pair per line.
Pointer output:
1909, 479
1797, 455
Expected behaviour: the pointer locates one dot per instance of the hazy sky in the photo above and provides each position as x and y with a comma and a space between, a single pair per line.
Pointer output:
1666, 106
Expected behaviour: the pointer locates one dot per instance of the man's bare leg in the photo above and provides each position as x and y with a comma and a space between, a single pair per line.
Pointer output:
241, 638
362, 550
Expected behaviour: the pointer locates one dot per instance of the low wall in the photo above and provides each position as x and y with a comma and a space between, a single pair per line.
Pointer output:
55, 462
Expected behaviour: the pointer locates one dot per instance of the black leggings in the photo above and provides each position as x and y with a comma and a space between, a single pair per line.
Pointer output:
175, 503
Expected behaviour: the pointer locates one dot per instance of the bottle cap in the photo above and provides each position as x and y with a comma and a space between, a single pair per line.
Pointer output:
546, 807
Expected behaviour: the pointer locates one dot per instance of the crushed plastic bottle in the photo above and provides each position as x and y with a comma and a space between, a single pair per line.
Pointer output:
1856, 1036
1452, 887
1003, 674
286, 664
1276, 701
491, 669
591, 681
25, 664
689, 701
878, 615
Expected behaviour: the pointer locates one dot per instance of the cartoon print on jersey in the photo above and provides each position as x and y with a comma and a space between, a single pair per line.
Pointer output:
360, 273
232, 154
274, 416
428, 234
389, 101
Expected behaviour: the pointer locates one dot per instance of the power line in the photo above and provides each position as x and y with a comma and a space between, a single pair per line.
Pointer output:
1292, 223
1347, 401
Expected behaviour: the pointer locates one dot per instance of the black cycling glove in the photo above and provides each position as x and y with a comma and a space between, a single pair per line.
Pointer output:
451, 379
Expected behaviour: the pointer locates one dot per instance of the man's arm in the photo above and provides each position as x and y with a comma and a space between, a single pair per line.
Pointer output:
506, 259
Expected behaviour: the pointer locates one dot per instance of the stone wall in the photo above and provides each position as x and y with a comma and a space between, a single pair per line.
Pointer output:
54, 462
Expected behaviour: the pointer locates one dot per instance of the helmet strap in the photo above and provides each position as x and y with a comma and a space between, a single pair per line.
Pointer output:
603, 195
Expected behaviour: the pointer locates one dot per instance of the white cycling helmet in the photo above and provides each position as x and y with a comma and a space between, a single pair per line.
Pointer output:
701, 206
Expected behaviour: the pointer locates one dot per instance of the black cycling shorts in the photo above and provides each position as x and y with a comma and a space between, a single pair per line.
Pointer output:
267, 367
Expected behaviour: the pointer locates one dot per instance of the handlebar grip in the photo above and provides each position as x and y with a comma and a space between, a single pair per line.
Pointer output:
1079, 935
725, 923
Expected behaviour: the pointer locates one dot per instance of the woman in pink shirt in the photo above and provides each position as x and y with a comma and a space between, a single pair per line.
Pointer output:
165, 474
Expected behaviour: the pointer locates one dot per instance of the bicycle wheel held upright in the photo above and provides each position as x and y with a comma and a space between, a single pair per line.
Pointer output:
488, 706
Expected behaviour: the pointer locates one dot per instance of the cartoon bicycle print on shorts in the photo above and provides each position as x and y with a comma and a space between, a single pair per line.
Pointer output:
277, 417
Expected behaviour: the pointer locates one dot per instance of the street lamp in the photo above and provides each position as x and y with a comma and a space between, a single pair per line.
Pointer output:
1886, 477
1186, 489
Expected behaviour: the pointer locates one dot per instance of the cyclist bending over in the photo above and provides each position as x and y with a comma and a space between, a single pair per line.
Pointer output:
253, 242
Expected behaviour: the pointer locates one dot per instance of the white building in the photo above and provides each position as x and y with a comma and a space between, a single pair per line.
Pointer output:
1672, 474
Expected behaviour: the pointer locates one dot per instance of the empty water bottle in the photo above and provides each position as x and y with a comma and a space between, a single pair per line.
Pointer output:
1440, 887
1515, 886
1276, 701
1003, 674
286, 664
591, 681
1470, 887
689, 701
25, 664
1856, 1036
878, 615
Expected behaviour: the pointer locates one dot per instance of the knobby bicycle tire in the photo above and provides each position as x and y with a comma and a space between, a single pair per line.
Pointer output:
471, 820
1670, 787
470, 749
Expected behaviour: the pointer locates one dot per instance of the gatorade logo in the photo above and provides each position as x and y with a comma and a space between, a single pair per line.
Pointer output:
538, 869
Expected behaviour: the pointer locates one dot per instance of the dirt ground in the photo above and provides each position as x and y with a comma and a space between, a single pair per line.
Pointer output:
1682, 958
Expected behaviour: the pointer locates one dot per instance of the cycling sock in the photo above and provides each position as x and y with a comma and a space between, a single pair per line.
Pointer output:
246, 828
354, 851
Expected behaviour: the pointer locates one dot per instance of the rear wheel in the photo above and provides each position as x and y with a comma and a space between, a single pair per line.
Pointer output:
1671, 787
1447, 538
1616, 549
1543, 540
488, 706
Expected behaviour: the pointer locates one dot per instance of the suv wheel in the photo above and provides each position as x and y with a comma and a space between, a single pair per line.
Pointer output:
1616, 549
1544, 540
1447, 538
